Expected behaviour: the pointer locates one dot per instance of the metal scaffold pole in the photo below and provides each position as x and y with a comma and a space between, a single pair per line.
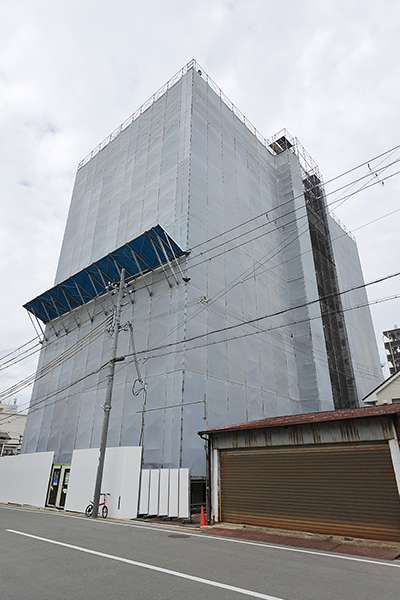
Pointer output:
107, 403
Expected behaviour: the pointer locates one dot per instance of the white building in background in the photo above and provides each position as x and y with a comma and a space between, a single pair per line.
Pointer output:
392, 347
388, 392
235, 270
12, 426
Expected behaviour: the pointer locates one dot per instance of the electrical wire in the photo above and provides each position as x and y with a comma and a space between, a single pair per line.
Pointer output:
38, 402
269, 316
251, 272
369, 174
89, 338
56, 336
247, 233
360, 165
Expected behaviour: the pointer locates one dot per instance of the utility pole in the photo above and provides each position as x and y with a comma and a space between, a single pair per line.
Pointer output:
107, 403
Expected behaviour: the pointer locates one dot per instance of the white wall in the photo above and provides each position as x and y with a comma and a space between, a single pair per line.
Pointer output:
165, 492
389, 392
120, 478
24, 479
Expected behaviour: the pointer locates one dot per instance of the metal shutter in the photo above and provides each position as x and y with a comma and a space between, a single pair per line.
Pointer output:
344, 489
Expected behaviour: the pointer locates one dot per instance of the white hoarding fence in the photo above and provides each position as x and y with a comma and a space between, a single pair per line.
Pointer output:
165, 493
120, 479
24, 479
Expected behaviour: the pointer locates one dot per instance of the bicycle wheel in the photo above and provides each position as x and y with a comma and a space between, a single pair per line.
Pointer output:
104, 512
89, 510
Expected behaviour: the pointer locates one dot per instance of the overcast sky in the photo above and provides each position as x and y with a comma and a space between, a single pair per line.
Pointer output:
71, 72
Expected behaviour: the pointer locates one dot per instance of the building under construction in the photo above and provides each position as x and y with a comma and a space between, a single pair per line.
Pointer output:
392, 347
233, 306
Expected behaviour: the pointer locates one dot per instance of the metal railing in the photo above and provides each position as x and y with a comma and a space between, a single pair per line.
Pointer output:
190, 65
193, 64
345, 229
307, 164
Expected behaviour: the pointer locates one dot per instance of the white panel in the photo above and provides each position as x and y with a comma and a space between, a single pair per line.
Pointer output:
215, 486
154, 489
164, 493
129, 487
173, 503
120, 479
144, 492
82, 479
111, 478
395, 452
184, 493
24, 479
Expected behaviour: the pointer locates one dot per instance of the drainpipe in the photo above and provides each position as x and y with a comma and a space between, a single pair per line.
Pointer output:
206, 439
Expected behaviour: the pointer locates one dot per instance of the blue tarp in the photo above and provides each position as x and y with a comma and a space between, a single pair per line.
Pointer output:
143, 254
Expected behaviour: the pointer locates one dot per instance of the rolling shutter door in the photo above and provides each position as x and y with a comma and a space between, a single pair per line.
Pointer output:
345, 489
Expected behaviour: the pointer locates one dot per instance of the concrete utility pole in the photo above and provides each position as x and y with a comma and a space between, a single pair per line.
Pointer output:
107, 403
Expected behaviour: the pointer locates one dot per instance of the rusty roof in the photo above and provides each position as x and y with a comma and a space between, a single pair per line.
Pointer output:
316, 417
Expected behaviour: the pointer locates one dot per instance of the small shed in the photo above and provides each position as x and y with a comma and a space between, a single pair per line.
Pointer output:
334, 472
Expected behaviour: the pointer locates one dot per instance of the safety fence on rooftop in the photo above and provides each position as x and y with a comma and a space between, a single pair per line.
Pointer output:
193, 64
307, 164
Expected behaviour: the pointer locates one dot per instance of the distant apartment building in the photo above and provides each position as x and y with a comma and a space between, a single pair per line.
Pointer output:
12, 426
392, 347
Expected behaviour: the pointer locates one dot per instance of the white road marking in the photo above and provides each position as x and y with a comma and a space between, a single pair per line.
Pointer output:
220, 538
135, 563
264, 545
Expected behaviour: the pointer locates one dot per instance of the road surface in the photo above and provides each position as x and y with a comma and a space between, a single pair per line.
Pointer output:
55, 556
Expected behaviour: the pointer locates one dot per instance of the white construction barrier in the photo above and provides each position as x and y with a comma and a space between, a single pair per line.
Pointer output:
120, 479
165, 492
24, 479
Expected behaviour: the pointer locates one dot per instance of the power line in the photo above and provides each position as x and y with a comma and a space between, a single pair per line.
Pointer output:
57, 361
263, 225
18, 349
56, 336
249, 322
37, 405
391, 150
369, 174
12, 391
277, 227
269, 316
265, 330
251, 271
44, 399
280, 206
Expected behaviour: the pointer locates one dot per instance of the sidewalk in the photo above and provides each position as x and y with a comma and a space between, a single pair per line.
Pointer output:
378, 549
343, 545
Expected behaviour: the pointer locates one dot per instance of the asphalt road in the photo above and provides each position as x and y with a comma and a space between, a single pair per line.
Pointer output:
55, 556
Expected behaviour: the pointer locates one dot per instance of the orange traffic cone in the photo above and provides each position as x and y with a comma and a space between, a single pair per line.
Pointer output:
202, 518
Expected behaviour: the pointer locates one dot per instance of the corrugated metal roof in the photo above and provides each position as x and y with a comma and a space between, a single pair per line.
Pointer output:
317, 417
143, 254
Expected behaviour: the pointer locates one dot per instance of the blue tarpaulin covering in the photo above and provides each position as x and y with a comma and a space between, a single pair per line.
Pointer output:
143, 254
